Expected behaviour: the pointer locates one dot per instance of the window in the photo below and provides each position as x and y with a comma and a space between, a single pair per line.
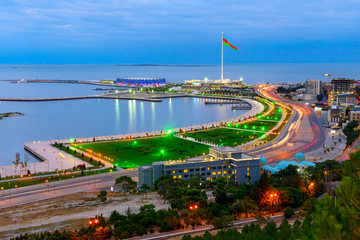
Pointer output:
191, 175
174, 171
174, 177
248, 169
224, 172
248, 163
213, 168
203, 169
203, 174
180, 171
168, 172
185, 176
224, 162
213, 173
185, 170
208, 168
219, 167
219, 172
224, 167
229, 166
197, 169
191, 170
248, 174
179, 176
208, 179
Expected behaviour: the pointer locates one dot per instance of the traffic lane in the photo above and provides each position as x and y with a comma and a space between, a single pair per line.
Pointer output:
238, 223
46, 191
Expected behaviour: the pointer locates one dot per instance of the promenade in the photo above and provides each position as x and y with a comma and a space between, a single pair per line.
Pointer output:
54, 159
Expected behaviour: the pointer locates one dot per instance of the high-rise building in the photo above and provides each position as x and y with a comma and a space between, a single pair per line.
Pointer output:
313, 86
338, 86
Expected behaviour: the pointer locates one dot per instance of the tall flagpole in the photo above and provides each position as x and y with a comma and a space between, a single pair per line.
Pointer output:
222, 56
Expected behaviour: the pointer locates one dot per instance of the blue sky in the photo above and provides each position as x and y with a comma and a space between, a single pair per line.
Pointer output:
178, 31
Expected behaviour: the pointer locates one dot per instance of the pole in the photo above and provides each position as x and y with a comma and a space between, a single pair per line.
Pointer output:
9, 193
222, 56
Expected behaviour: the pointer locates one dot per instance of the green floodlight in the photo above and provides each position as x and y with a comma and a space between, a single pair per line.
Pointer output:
267, 118
116, 164
259, 116
279, 110
254, 127
245, 126
71, 140
169, 131
135, 142
229, 124
162, 151
276, 118
263, 128
237, 125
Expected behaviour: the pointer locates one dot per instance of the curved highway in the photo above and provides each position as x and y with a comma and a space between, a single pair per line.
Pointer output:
302, 131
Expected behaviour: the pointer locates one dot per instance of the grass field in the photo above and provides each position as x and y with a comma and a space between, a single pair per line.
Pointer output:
135, 152
225, 136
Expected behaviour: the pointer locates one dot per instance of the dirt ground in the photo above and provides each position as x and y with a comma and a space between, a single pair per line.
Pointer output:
69, 212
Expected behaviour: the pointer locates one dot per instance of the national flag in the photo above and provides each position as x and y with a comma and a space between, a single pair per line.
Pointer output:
227, 43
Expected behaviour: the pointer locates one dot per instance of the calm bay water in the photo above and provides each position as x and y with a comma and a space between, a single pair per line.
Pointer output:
95, 117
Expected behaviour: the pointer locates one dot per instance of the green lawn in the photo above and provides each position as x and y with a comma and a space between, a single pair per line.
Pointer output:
135, 152
226, 136
263, 126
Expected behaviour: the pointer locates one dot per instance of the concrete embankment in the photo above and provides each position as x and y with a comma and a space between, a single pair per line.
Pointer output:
77, 98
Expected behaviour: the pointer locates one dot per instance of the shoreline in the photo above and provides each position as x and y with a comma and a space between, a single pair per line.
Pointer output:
53, 158
10, 114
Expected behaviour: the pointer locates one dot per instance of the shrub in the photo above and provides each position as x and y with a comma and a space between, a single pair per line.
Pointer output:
288, 212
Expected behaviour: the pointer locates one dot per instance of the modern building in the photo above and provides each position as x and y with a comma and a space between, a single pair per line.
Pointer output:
338, 86
313, 86
301, 91
355, 116
344, 98
140, 81
220, 162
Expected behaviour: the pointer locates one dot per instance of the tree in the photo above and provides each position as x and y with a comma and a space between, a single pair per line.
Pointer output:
243, 206
126, 184
320, 97
102, 195
145, 188
17, 160
288, 212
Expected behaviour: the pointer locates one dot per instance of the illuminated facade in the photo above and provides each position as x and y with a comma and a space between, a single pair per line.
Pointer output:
338, 86
220, 162
140, 81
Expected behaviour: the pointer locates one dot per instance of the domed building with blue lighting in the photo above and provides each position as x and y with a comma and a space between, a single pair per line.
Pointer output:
298, 160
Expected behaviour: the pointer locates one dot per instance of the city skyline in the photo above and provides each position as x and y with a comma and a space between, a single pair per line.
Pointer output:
178, 32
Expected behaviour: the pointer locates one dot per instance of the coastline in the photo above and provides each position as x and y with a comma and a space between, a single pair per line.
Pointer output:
10, 114
52, 159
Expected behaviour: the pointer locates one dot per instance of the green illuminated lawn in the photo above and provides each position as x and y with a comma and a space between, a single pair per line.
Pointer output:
226, 136
263, 126
128, 154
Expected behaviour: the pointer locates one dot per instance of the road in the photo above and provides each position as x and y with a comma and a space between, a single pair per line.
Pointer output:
60, 188
303, 131
199, 230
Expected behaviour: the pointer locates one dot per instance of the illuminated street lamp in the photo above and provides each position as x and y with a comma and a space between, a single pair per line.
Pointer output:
193, 207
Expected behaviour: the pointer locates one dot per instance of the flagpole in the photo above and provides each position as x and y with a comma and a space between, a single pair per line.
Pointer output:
222, 56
